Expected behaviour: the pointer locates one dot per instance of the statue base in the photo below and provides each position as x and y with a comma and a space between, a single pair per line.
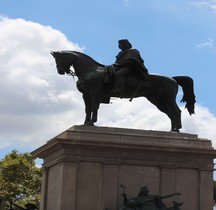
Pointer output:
85, 166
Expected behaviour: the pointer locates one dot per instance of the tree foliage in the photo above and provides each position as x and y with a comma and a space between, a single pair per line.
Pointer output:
20, 179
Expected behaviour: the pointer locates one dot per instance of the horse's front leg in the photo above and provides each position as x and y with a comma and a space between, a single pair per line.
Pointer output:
95, 112
87, 101
95, 99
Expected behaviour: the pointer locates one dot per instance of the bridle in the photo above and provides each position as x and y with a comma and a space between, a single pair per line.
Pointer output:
69, 71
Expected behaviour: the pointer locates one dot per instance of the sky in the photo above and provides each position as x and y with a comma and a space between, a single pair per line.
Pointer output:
174, 38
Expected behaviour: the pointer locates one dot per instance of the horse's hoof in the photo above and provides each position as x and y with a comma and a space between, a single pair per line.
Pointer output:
89, 124
175, 130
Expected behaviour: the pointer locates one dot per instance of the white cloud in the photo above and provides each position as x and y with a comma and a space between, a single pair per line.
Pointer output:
202, 123
209, 4
141, 114
209, 43
33, 95
37, 103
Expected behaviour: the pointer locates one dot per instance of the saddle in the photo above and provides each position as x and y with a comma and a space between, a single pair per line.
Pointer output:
140, 75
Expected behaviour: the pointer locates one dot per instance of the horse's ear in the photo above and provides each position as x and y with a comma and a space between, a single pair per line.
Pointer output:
52, 53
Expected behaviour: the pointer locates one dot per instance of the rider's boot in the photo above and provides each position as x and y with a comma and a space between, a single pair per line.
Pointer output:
119, 85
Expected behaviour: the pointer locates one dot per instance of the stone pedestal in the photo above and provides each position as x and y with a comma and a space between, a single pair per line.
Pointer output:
84, 167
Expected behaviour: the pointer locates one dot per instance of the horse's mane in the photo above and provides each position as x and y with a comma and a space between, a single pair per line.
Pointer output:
82, 54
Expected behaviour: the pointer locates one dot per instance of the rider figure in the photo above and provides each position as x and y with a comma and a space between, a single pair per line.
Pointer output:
126, 60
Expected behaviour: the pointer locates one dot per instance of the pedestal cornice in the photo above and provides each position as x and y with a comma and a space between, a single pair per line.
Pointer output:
130, 145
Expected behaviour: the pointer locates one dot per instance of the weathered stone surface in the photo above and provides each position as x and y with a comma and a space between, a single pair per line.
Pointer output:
84, 167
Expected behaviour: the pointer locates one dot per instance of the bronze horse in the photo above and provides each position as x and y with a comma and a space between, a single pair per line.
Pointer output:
95, 84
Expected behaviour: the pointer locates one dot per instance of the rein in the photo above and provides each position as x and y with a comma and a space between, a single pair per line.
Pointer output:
136, 91
71, 73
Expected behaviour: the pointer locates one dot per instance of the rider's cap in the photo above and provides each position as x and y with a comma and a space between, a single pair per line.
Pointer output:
125, 41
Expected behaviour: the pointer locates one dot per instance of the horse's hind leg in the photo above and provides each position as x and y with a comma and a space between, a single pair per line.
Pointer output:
174, 113
170, 108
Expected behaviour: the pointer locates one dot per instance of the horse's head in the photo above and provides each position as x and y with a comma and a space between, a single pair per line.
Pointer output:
62, 63
81, 63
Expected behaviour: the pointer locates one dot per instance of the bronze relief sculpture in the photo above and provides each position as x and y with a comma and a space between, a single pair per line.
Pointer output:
146, 201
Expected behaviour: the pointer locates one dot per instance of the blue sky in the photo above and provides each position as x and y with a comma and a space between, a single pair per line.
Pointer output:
173, 37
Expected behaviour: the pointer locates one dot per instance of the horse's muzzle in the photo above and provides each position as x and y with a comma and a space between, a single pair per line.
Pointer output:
60, 70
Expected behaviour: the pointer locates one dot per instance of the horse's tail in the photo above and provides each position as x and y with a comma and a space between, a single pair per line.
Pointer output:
188, 92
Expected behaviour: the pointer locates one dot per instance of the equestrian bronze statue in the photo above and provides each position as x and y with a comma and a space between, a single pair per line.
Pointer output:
96, 82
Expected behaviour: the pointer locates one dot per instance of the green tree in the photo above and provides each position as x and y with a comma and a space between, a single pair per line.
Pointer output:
20, 179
